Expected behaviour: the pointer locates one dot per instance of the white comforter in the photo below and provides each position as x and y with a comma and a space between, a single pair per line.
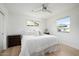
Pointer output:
31, 44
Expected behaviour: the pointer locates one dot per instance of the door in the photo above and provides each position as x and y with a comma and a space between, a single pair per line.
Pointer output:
1, 30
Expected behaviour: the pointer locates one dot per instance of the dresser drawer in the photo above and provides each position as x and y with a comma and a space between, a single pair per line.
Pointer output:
13, 40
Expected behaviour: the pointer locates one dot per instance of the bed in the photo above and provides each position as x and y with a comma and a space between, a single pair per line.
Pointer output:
34, 44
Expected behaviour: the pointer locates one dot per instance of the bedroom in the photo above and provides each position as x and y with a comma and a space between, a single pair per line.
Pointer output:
38, 21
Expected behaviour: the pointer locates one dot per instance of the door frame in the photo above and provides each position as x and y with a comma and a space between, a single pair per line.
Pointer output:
4, 12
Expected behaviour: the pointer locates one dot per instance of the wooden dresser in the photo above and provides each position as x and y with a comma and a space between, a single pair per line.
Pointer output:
13, 40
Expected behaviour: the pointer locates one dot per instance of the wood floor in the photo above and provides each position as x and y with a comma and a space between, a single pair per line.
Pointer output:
13, 51
63, 50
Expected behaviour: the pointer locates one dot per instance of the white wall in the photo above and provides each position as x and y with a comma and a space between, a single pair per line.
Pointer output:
17, 24
71, 38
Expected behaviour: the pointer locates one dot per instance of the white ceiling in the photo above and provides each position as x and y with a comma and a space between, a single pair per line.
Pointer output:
26, 8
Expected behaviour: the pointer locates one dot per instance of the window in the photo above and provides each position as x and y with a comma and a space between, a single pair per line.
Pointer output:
63, 24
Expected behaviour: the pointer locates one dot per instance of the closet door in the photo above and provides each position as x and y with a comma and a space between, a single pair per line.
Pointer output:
1, 30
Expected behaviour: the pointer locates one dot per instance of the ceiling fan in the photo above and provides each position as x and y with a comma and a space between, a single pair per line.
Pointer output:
43, 8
